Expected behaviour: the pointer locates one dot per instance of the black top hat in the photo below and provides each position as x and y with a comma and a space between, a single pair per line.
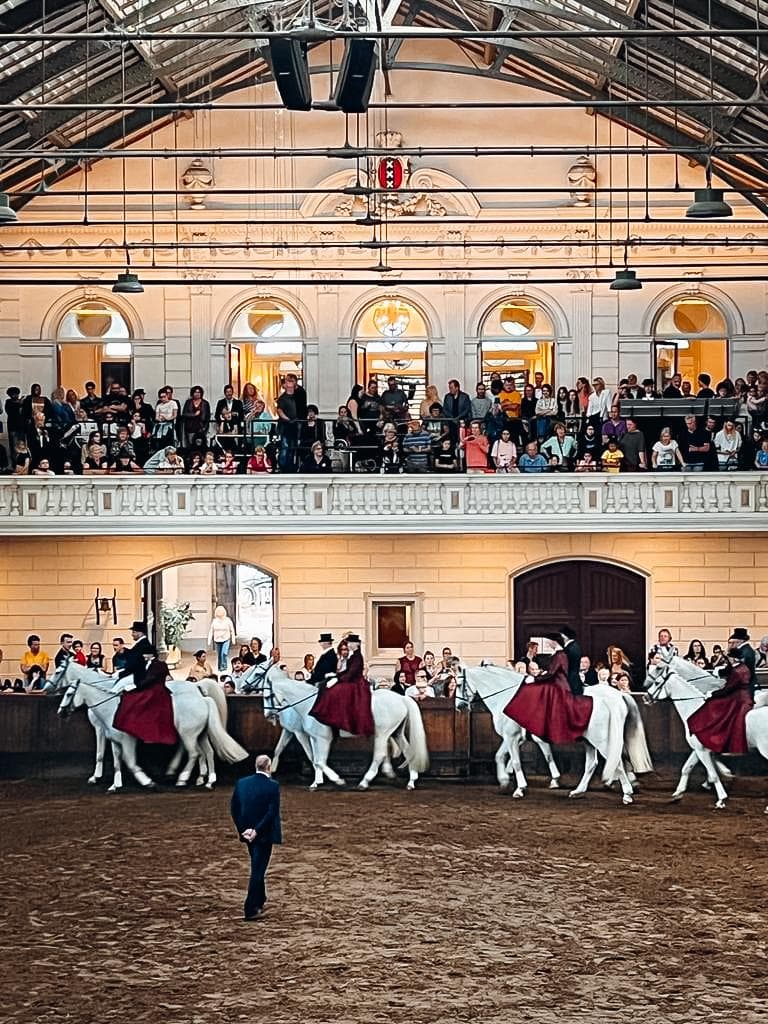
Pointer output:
326, 638
739, 633
352, 638
139, 627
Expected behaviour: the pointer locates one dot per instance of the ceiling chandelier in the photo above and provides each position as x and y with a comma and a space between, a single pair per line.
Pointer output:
517, 320
391, 318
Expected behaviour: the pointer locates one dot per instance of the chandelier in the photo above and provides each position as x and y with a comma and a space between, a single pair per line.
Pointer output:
517, 320
391, 318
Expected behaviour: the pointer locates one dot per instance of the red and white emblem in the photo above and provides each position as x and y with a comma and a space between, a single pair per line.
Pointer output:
390, 173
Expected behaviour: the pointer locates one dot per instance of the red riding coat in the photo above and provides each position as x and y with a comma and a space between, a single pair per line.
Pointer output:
347, 704
147, 711
720, 723
548, 709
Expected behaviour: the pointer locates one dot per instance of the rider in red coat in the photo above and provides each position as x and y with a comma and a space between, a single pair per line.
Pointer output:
547, 708
720, 723
147, 711
346, 704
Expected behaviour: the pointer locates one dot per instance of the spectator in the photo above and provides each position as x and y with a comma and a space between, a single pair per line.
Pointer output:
587, 674
761, 455
120, 656
695, 446
65, 650
589, 442
528, 413
14, 417
200, 669
165, 461
727, 445
612, 457
436, 425
399, 682
221, 635
311, 431
409, 662
532, 461
35, 402
504, 453
38, 439
546, 411
666, 452
43, 468
456, 407
586, 464
249, 396
420, 689
289, 425
705, 390
650, 394
417, 445
34, 663
444, 460
632, 445
395, 401
78, 652
598, 404
345, 429
510, 401
696, 652
317, 461
259, 428
123, 463
562, 445
475, 446
428, 663
675, 387
208, 466
166, 413
228, 465
196, 416
231, 406
369, 410
481, 403
95, 657
614, 426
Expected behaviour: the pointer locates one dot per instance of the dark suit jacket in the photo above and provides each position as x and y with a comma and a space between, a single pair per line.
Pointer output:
590, 678
458, 407
750, 660
324, 665
237, 409
256, 804
136, 664
573, 654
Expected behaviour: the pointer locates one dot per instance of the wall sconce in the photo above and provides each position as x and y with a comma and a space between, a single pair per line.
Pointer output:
105, 605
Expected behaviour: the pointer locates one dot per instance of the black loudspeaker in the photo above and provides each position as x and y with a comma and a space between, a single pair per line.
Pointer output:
355, 81
288, 58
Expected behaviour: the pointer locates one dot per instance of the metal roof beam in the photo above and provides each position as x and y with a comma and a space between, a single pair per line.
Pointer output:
25, 14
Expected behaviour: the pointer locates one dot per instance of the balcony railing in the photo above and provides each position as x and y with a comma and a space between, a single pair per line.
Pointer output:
360, 503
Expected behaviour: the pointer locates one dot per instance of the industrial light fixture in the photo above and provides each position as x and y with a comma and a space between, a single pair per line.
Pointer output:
127, 284
625, 281
707, 204
7, 213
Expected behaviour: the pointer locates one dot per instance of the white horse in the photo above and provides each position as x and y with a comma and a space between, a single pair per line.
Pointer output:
197, 718
688, 686
604, 733
290, 701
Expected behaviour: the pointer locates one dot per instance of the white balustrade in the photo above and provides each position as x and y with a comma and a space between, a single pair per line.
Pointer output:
360, 503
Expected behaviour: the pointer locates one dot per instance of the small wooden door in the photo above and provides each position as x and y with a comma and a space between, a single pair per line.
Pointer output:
603, 603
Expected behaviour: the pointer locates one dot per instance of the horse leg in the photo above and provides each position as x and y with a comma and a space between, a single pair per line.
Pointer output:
190, 745
501, 757
175, 761
379, 753
101, 743
128, 745
324, 751
117, 780
554, 771
210, 764
707, 759
282, 743
626, 785
590, 763
517, 766
685, 774
316, 757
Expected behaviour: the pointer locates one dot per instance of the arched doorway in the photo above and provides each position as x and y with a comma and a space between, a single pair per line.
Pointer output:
690, 337
246, 591
604, 603
391, 339
266, 343
94, 343
517, 339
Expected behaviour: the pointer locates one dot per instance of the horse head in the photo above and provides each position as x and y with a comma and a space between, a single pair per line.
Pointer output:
58, 681
656, 680
256, 677
465, 692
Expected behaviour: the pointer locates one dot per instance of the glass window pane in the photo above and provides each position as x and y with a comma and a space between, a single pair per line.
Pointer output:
393, 623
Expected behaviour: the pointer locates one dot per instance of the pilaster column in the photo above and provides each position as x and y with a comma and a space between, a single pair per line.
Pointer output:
581, 319
200, 335
328, 357
448, 354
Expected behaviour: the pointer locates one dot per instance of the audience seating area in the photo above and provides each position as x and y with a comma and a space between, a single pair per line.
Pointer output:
379, 429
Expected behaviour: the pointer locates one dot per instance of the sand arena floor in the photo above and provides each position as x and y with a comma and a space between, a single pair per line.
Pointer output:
452, 903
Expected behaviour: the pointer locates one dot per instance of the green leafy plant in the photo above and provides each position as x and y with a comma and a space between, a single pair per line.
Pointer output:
175, 619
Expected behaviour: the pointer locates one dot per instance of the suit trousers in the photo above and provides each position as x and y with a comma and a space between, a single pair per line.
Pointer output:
257, 890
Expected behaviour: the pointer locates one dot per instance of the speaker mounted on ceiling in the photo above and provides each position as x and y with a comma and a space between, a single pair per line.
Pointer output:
288, 59
355, 81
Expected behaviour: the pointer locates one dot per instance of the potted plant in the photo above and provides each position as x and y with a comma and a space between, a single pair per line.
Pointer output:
175, 620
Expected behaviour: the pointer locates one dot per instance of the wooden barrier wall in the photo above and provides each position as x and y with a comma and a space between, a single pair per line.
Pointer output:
35, 741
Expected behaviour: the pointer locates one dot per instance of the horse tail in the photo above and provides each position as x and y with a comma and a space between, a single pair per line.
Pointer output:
226, 748
210, 688
617, 715
412, 738
634, 737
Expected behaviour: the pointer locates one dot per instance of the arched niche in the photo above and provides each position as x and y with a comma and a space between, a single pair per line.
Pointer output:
266, 341
690, 337
94, 341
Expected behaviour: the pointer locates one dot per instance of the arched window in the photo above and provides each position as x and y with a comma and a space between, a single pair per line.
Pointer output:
94, 343
690, 337
266, 343
392, 340
517, 339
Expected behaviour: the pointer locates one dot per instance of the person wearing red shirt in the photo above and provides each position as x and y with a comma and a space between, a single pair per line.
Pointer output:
410, 663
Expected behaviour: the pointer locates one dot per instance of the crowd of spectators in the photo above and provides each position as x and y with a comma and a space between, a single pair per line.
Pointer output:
418, 676
497, 430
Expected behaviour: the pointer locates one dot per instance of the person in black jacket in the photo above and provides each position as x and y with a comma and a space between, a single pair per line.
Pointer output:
327, 663
136, 664
573, 654
255, 810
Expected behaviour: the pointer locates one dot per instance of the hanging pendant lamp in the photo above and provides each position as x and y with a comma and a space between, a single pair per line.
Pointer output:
127, 284
625, 281
7, 213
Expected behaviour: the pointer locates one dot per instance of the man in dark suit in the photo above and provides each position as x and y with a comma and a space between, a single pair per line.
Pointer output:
587, 675
136, 664
255, 811
738, 641
573, 654
229, 404
327, 663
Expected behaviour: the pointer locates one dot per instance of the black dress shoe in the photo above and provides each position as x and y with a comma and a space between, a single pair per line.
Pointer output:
255, 917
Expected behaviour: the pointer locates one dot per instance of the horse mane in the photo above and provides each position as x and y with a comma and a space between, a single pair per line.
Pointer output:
496, 675
700, 679
296, 687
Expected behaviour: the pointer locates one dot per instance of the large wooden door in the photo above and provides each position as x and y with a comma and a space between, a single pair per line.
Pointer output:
604, 603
